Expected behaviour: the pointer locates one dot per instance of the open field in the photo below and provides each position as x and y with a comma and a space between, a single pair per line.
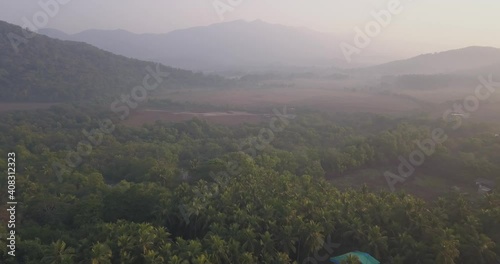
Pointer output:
334, 96
443, 100
255, 100
328, 100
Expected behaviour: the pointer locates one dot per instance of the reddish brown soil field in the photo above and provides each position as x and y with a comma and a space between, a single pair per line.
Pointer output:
328, 100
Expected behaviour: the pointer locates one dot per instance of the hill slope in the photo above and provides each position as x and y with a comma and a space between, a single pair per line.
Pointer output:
52, 70
460, 60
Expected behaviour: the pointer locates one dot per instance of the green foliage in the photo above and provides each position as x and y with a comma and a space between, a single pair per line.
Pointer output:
183, 193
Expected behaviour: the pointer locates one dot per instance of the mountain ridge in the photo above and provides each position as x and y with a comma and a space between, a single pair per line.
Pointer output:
450, 61
225, 45
52, 70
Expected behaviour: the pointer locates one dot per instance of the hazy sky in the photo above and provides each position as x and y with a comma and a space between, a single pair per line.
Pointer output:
422, 26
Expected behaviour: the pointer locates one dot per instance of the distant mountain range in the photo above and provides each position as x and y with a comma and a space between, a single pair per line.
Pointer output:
241, 45
53, 70
230, 45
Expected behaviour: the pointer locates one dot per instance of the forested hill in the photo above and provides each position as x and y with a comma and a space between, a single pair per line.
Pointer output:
45, 69
452, 61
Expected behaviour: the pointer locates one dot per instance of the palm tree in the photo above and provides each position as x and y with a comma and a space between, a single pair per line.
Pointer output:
287, 240
219, 249
126, 243
176, 260
351, 259
267, 243
479, 248
448, 252
315, 238
101, 254
377, 242
59, 254
250, 240
247, 258
125, 257
486, 249
153, 257
355, 233
201, 259
147, 237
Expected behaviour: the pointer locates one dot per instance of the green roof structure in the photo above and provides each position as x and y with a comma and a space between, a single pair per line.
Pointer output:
363, 257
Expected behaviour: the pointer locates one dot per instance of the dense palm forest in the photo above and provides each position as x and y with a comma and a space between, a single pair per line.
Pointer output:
190, 193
